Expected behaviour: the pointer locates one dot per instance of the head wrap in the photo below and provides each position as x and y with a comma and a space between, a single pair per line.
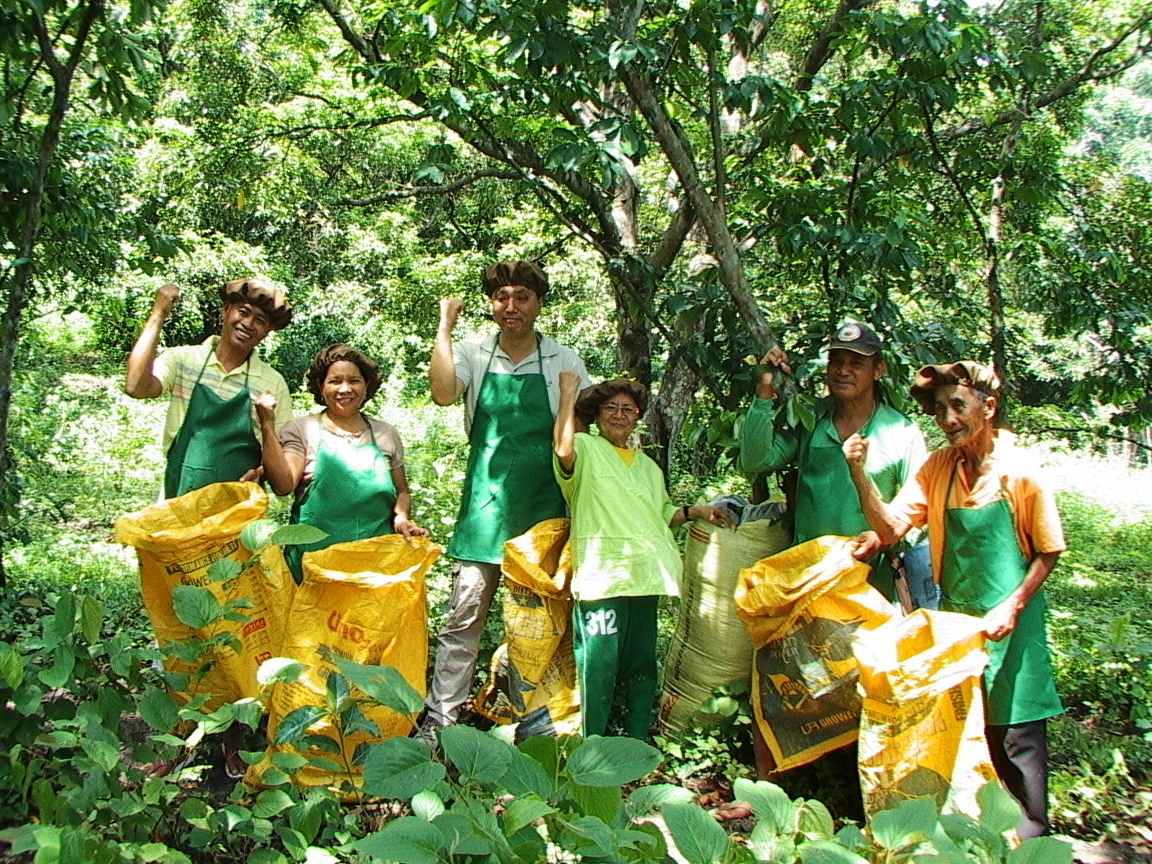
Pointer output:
966, 372
526, 273
259, 293
325, 357
591, 398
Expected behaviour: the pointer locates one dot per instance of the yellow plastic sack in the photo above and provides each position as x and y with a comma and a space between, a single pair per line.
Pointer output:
177, 541
710, 647
363, 601
922, 722
532, 678
802, 608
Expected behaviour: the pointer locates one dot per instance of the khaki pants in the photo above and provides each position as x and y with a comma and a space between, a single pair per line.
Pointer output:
473, 586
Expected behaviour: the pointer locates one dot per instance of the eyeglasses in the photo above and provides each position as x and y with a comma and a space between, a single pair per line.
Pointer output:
614, 408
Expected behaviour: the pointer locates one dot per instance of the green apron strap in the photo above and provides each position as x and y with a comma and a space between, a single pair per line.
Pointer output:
509, 485
981, 566
351, 496
215, 443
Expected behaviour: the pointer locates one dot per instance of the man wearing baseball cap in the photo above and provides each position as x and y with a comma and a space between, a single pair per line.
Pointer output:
995, 535
212, 431
825, 500
508, 380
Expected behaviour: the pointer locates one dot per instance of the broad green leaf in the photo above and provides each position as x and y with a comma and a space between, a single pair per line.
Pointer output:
257, 534
770, 803
427, 805
815, 821
196, 607
91, 618
645, 799
383, 685
297, 722
233, 816
545, 751
591, 838
289, 761
337, 693
158, 709
11, 666
999, 811
104, 754
270, 802
59, 627
460, 835
319, 742
525, 811
407, 840
696, 834
224, 570
59, 674
828, 852
308, 816
266, 856
478, 757
603, 802
526, 776
767, 845
295, 535
1041, 850
248, 711
912, 822
279, 669
611, 761
400, 768
57, 738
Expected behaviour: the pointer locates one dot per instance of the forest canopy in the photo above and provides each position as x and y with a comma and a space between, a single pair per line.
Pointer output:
700, 179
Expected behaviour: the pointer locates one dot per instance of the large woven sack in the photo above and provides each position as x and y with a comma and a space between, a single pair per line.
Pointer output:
177, 541
802, 608
532, 678
922, 720
710, 647
364, 601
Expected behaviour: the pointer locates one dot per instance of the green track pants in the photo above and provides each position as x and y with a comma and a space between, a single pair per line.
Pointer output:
615, 646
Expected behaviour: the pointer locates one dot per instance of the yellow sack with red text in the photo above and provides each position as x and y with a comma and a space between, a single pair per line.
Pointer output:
364, 601
922, 722
802, 608
532, 679
177, 541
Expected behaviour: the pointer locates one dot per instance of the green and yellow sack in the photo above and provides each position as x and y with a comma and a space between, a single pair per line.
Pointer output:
802, 608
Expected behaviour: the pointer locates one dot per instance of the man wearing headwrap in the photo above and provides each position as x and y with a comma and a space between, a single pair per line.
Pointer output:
995, 536
508, 380
212, 431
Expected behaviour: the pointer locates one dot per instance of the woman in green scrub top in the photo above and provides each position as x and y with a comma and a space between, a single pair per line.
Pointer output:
346, 468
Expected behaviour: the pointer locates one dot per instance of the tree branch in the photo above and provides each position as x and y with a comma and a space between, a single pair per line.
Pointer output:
821, 50
420, 191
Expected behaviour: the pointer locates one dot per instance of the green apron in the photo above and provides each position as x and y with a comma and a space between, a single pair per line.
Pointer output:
981, 566
509, 485
352, 496
823, 478
215, 443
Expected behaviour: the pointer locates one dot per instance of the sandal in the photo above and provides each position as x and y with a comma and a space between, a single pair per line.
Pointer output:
234, 764
164, 767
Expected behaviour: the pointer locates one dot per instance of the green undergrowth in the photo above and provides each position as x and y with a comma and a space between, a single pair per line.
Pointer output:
73, 783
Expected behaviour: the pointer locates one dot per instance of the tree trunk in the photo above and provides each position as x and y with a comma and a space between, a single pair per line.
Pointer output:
18, 286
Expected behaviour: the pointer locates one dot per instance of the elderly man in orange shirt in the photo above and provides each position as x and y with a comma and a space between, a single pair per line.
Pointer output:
995, 536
